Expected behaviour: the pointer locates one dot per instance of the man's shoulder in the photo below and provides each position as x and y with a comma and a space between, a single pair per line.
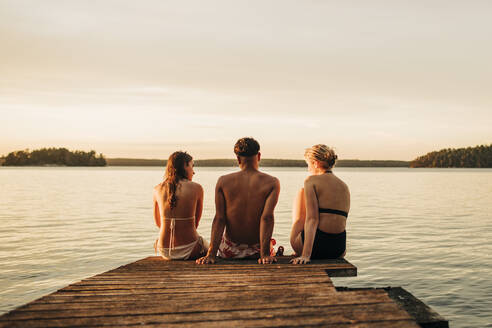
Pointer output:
267, 178
228, 176
226, 179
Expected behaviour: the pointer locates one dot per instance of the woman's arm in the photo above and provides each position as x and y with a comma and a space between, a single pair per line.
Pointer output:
298, 219
199, 206
311, 223
157, 214
299, 208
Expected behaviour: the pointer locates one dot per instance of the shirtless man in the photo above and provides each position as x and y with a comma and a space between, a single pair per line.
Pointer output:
244, 205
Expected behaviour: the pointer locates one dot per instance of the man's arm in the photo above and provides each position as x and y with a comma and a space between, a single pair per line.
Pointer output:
267, 222
218, 226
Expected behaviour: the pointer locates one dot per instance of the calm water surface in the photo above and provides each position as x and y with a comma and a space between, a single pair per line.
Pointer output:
427, 230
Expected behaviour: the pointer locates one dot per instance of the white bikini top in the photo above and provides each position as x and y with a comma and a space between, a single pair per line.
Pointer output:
172, 226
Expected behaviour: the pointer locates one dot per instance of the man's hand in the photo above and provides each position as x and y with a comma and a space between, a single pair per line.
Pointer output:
208, 259
267, 260
300, 260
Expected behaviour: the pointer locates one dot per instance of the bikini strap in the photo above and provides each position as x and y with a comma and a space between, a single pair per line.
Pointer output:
182, 219
172, 226
329, 210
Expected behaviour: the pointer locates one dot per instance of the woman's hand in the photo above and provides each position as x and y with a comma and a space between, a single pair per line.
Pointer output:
300, 260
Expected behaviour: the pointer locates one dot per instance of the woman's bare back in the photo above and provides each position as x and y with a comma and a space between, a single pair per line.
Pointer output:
332, 193
188, 205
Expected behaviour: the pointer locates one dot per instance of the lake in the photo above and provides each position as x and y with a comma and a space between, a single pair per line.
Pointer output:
427, 230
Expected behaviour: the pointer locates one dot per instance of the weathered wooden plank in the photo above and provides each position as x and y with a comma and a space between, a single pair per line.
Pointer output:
194, 279
181, 285
185, 307
228, 275
425, 316
302, 322
330, 314
191, 289
224, 267
234, 270
193, 268
226, 303
155, 263
206, 280
273, 293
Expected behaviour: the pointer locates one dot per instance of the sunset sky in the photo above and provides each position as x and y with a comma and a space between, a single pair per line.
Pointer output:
374, 79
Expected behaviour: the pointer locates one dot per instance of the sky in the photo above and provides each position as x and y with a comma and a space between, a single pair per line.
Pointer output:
141, 79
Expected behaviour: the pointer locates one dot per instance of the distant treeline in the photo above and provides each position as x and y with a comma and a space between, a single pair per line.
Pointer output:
54, 156
471, 157
479, 157
135, 162
362, 163
267, 162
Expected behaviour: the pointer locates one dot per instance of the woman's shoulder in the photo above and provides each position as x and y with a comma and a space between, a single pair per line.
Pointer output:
341, 183
320, 180
311, 179
158, 190
193, 185
159, 186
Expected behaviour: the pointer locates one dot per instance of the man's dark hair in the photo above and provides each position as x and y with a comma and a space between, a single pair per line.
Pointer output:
246, 147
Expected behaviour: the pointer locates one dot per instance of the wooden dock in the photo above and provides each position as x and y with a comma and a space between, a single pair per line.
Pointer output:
155, 293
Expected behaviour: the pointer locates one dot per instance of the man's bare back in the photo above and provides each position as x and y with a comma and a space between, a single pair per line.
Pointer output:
244, 209
245, 194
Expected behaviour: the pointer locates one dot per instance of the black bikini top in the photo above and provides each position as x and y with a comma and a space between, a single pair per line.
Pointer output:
329, 210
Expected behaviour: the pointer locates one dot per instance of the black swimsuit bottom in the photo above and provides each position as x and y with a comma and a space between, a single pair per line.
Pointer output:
328, 245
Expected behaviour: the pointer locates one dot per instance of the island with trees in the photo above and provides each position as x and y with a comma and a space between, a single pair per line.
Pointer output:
54, 157
471, 157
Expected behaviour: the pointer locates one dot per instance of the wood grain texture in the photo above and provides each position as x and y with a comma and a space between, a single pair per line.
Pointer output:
152, 292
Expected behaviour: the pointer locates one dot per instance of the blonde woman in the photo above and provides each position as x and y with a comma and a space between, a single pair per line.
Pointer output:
320, 210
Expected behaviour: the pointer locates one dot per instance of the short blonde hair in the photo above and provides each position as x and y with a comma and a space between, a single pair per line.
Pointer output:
321, 153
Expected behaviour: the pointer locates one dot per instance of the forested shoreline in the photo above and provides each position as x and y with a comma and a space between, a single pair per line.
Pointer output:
470, 157
53, 156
